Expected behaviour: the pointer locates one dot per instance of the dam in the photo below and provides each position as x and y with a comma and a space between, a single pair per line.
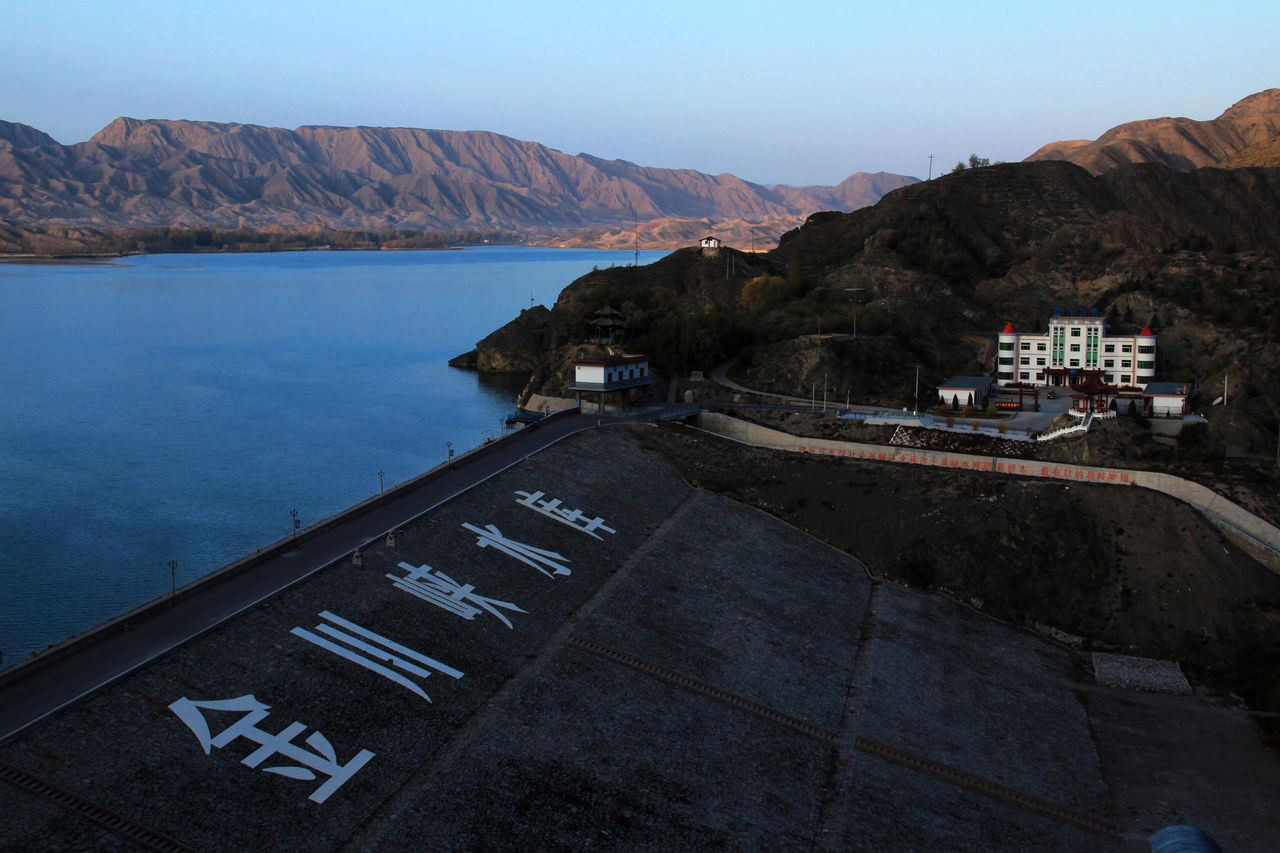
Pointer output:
584, 649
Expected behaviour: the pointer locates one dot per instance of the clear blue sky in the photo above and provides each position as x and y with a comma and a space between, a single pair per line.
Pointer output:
799, 93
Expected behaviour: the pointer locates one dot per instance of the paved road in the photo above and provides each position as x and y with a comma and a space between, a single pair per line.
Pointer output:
1049, 409
36, 693
720, 375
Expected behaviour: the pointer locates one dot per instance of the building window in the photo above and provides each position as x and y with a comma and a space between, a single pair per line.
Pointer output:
1041, 347
1110, 380
1006, 374
1039, 362
1110, 362
1146, 365
1147, 350
1006, 345
1075, 333
1126, 348
1075, 362
1025, 360
1040, 377
1026, 345
1024, 375
1075, 348
1126, 363
1109, 348
1006, 359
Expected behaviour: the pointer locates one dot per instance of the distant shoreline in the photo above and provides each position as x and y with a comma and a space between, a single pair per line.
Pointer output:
40, 242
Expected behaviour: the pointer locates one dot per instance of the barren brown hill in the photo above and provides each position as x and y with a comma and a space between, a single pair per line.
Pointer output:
1265, 154
23, 136
151, 173
1179, 143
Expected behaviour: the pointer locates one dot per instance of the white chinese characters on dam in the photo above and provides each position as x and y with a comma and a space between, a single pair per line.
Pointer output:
323, 760
393, 661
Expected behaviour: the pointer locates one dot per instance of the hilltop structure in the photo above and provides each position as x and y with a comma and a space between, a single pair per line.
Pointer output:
1076, 348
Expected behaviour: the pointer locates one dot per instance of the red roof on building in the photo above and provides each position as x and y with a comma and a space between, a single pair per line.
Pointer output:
1008, 329
1147, 333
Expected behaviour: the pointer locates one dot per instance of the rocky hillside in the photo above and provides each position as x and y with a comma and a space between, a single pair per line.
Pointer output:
1266, 154
1179, 143
927, 276
146, 173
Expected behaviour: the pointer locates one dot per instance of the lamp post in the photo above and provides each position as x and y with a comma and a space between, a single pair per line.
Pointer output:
294, 531
851, 291
381, 474
173, 578
916, 406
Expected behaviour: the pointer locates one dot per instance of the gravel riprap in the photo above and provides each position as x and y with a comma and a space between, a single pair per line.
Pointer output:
1134, 673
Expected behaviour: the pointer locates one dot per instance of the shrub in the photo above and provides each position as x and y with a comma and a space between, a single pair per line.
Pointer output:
973, 424
951, 421
1194, 436
1004, 428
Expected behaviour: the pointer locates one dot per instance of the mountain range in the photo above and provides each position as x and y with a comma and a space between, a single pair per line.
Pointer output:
136, 173
1245, 134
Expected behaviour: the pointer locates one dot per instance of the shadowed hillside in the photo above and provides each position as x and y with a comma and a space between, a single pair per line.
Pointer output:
928, 276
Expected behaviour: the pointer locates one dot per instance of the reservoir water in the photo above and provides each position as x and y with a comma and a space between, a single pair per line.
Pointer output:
178, 408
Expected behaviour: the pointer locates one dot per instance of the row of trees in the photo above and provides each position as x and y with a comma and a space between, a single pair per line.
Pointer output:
169, 239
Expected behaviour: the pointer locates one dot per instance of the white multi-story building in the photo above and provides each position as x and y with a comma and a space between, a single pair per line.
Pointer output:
1076, 345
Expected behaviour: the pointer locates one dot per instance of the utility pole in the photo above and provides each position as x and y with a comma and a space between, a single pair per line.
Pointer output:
916, 405
931, 167
173, 578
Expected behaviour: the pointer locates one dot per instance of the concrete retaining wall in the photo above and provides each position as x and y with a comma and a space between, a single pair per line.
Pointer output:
1233, 516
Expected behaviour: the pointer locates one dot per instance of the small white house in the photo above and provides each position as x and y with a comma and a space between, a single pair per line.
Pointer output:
963, 391
710, 242
610, 373
1166, 399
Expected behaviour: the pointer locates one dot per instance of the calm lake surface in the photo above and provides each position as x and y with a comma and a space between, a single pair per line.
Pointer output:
177, 407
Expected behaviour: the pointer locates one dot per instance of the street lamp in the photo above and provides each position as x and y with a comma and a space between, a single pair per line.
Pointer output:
916, 406
381, 474
851, 291
173, 578
296, 523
